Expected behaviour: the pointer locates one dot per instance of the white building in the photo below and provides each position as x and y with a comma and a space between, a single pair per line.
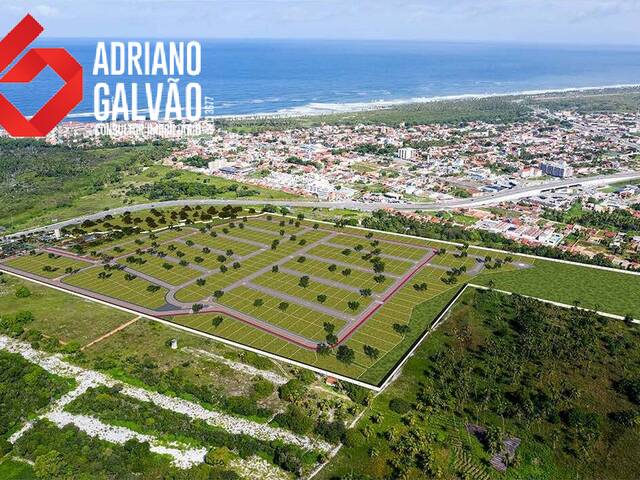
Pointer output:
560, 169
407, 153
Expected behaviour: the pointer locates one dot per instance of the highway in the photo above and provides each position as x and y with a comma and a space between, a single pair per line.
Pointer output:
484, 200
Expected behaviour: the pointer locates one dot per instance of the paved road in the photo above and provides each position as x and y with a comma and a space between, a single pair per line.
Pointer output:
512, 194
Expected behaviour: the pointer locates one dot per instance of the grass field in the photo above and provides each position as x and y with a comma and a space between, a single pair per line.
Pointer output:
116, 286
47, 264
337, 298
58, 314
319, 268
12, 470
314, 275
611, 292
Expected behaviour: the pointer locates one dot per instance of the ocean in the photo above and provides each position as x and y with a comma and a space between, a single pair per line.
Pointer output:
308, 76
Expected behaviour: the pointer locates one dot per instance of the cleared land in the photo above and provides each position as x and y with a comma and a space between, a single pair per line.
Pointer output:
286, 286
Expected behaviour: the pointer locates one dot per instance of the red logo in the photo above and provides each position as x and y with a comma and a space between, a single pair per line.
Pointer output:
28, 68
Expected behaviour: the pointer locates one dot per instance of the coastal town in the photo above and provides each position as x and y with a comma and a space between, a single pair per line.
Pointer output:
396, 165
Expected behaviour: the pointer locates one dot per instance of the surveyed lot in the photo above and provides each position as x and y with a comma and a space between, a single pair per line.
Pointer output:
344, 300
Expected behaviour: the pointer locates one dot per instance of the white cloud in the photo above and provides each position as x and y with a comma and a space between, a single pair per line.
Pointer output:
43, 10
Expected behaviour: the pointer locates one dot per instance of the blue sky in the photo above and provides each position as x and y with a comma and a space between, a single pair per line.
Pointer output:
589, 22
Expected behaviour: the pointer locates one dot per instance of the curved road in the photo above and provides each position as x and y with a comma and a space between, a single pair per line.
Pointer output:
506, 195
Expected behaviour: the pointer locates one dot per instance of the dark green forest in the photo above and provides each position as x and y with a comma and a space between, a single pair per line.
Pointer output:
36, 177
564, 382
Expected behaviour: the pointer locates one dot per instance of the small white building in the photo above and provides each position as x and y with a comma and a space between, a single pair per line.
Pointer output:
407, 153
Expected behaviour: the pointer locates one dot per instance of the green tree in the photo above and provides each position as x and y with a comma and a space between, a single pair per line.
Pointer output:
345, 354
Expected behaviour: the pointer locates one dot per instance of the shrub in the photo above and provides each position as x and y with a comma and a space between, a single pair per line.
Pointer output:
216, 321
292, 391
306, 376
345, 354
296, 420
23, 292
262, 388
333, 432
399, 405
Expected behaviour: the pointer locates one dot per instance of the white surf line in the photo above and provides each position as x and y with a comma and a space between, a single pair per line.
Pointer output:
273, 377
54, 363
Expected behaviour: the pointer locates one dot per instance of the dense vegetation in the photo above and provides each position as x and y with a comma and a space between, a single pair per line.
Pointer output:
615, 220
19, 325
68, 453
564, 382
146, 370
36, 177
25, 388
383, 220
492, 110
505, 109
110, 406
172, 190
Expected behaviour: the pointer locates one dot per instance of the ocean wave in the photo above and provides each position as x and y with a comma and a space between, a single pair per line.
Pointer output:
325, 108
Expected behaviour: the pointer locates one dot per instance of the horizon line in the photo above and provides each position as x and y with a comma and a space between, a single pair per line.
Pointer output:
531, 43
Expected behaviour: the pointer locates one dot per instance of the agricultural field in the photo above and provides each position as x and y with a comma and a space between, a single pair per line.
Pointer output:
344, 300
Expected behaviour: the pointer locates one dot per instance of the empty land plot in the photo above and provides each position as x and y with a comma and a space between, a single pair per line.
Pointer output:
222, 244
131, 243
46, 264
219, 280
172, 234
115, 285
450, 260
60, 315
492, 256
193, 256
163, 269
607, 291
125, 248
334, 297
384, 329
252, 236
356, 279
395, 237
240, 332
275, 225
330, 253
295, 318
388, 248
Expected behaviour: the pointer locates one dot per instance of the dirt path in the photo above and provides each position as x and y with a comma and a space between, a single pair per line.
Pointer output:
112, 332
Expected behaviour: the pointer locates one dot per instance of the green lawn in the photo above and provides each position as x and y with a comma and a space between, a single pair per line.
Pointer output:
357, 278
116, 286
612, 292
354, 258
336, 298
58, 314
12, 470
296, 318
47, 264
